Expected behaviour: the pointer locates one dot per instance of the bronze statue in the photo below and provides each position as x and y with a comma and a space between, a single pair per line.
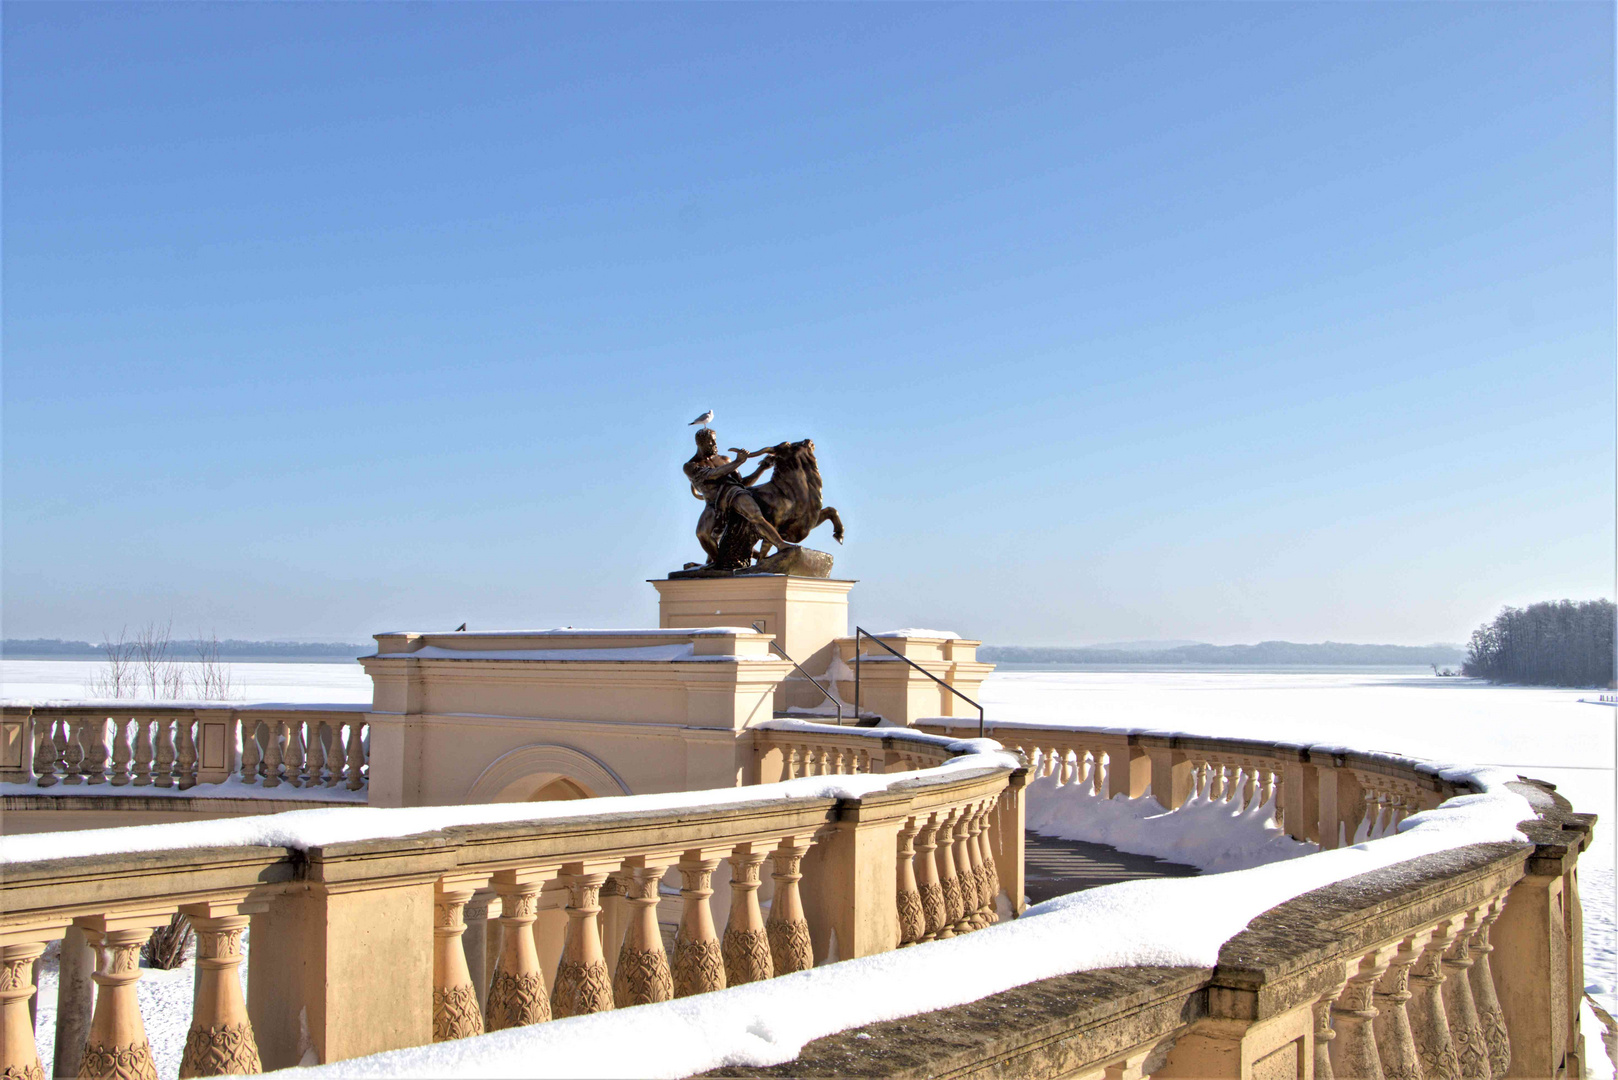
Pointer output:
743, 519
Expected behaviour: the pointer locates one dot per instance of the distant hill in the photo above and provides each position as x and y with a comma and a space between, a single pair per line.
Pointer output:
231, 649
1265, 653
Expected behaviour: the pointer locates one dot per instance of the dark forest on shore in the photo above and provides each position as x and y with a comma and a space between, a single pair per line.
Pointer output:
1554, 643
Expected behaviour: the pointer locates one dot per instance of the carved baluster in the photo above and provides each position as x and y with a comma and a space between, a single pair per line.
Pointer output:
912, 920
985, 915
1324, 1035
116, 1047
293, 754
220, 1042
251, 755
865, 762
1100, 774
1396, 1045
315, 766
991, 873
1353, 1053
965, 874
1369, 813
1490, 1015
788, 930
1428, 1022
163, 775
19, 1056
122, 752
332, 747
746, 947
927, 882
185, 758
71, 749
947, 880
455, 1000
1459, 1008
275, 739
93, 734
517, 992
582, 983
699, 964
789, 763
1065, 770
356, 756
47, 756
143, 753
643, 974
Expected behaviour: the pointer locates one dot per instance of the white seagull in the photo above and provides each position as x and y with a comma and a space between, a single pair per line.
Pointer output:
705, 419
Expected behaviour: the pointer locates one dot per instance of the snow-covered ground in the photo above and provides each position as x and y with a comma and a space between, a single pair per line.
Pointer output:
1547, 734
344, 683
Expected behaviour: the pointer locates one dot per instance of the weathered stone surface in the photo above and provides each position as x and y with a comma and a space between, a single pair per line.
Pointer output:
1054, 1027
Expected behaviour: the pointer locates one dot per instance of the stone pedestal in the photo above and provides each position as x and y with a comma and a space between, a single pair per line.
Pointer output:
806, 615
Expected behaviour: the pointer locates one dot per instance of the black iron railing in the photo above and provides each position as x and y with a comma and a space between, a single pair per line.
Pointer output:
836, 704
859, 633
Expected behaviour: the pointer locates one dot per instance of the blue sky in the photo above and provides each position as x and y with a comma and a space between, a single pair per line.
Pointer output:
1221, 321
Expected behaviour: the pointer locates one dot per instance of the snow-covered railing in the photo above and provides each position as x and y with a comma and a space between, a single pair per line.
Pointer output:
182, 744
788, 749
1328, 795
360, 917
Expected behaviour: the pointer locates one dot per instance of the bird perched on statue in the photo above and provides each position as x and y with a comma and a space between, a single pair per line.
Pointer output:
705, 419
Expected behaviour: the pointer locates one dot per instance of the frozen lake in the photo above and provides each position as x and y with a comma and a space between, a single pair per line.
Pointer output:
1545, 733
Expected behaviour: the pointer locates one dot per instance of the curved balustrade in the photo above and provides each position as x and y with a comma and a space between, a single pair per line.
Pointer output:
1328, 795
491, 926
1463, 964
164, 746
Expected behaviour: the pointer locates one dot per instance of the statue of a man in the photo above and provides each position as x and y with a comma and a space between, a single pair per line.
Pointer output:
713, 479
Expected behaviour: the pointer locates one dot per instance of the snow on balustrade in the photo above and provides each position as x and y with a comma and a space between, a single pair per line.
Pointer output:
765, 988
1133, 923
148, 747
595, 866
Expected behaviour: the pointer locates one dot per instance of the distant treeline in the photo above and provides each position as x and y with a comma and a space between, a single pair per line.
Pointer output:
1265, 653
231, 649
1556, 643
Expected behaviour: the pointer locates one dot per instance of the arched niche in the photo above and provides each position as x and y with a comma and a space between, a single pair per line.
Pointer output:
543, 772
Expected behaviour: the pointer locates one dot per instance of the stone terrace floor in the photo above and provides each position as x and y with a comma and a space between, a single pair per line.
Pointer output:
1054, 867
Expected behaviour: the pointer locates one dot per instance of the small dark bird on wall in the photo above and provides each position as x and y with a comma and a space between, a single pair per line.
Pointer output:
461, 627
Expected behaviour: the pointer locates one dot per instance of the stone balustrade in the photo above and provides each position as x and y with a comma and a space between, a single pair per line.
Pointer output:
394, 942
169, 746
1329, 796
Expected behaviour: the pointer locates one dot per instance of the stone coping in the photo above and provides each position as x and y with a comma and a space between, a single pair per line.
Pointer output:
1048, 1028
42, 890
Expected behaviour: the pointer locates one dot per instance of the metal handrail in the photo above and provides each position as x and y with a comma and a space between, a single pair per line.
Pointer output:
861, 632
838, 705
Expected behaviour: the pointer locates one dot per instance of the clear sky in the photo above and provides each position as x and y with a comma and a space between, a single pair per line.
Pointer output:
1110, 321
